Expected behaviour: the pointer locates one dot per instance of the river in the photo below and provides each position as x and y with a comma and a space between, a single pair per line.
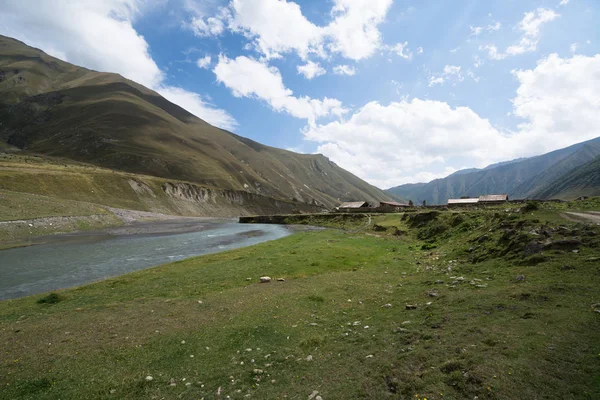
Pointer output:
71, 260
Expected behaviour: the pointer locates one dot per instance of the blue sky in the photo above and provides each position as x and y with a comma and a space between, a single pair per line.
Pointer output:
429, 87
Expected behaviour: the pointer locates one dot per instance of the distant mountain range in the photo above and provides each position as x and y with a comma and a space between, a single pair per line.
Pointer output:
567, 173
51, 107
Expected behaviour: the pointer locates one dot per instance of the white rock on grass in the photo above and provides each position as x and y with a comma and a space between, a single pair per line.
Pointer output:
265, 279
313, 395
149, 378
309, 358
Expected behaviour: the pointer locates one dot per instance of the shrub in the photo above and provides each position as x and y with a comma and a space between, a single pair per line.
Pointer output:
52, 298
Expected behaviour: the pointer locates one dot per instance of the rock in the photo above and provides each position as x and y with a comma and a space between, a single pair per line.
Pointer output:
248, 279
149, 378
280, 279
520, 278
318, 398
113, 391
369, 356
309, 358
388, 305
411, 306
313, 395
439, 282
172, 382
258, 371
265, 279
482, 239
433, 293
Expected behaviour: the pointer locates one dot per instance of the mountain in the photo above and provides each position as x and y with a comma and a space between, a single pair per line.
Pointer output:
522, 178
580, 181
51, 107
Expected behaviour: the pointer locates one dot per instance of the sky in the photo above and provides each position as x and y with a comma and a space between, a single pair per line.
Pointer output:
395, 91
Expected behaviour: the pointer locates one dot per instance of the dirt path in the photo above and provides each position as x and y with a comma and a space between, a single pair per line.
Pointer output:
590, 216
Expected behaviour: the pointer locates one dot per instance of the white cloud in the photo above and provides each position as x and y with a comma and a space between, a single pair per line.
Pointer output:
530, 27
404, 141
563, 3
494, 27
402, 50
247, 77
450, 72
419, 50
574, 47
98, 35
353, 32
276, 27
204, 62
311, 70
344, 70
475, 30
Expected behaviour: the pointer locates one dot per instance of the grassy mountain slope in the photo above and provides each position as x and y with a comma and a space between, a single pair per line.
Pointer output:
519, 179
51, 107
581, 181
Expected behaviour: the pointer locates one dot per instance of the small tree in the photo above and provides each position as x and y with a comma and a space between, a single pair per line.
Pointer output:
424, 203
410, 203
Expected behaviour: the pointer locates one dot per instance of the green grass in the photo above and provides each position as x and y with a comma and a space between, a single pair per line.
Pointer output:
504, 339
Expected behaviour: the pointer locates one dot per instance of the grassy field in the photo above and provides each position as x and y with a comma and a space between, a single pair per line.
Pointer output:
494, 317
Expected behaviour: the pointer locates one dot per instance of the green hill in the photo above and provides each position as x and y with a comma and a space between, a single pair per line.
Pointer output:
54, 108
580, 181
522, 178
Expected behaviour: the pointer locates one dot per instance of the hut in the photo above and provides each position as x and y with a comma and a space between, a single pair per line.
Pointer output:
391, 206
493, 199
463, 202
354, 206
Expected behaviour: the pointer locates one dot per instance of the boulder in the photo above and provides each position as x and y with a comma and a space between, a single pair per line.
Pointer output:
265, 279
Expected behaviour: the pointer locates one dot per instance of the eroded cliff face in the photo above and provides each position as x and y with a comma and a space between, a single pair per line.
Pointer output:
190, 198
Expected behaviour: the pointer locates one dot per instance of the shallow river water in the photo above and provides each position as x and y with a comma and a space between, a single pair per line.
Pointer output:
72, 260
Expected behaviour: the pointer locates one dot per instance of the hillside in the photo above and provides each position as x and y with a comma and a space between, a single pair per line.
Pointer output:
54, 108
519, 178
581, 181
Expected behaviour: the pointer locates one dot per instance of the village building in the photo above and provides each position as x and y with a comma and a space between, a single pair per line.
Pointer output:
354, 206
463, 202
392, 206
493, 199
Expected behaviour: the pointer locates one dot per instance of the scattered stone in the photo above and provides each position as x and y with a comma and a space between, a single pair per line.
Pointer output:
199, 301
483, 239
188, 384
258, 371
113, 391
406, 322
149, 378
313, 324
248, 279
318, 398
172, 382
265, 279
439, 282
520, 278
280, 279
388, 305
356, 323
433, 293
575, 251
481, 286
369, 356
309, 358
411, 306
598, 311
183, 342
313, 395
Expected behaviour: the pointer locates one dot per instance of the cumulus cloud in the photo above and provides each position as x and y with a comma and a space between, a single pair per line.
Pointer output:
311, 70
450, 72
530, 27
344, 70
247, 77
98, 35
563, 2
204, 62
402, 50
276, 27
393, 144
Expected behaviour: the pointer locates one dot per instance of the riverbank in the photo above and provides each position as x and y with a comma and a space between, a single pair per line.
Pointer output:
498, 305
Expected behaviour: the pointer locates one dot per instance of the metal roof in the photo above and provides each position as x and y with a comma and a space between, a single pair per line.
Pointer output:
354, 204
463, 201
494, 197
393, 204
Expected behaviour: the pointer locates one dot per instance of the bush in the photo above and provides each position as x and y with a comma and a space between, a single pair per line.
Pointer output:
52, 298
531, 206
